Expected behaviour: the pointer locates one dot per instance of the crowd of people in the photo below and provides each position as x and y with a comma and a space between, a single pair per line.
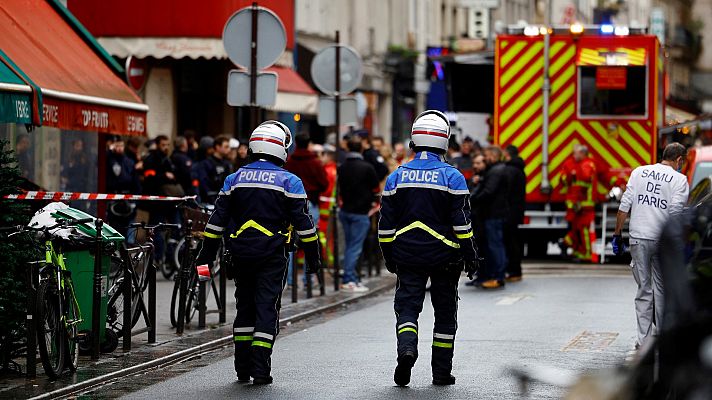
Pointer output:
159, 167
361, 161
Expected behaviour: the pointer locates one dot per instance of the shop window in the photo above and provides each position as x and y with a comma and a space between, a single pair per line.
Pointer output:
54, 159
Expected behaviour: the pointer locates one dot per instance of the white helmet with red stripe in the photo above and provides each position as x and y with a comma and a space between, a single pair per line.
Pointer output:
271, 138
431, 129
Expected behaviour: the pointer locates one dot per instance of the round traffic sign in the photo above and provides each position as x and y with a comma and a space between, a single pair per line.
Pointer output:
136, 72
271, 37
323, 70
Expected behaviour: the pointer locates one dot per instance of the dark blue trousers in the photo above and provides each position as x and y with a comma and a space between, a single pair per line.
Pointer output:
409, 297
258, 291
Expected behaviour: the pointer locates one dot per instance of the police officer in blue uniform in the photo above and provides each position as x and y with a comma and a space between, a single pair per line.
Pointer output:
258, 210
425, 232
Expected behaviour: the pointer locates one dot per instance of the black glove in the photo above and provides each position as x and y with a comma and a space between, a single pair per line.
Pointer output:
208, 252
391, 267
472, 268
313, 265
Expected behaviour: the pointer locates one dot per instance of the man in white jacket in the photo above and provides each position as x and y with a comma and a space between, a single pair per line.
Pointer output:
654, 192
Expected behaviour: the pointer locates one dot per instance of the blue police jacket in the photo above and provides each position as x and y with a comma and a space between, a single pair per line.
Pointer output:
425, 214
259, 207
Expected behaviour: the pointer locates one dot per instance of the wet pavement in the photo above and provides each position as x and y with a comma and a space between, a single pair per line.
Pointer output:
168, 344
571, 318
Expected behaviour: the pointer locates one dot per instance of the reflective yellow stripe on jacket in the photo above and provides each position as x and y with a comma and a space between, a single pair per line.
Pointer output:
384, 237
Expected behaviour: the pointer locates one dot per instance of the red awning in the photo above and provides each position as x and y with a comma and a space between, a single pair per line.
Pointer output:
80, 91
294, 95
289, 81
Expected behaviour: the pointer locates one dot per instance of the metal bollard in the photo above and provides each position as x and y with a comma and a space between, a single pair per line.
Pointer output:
30, 323
151, 299
202, 307
322, 285
128, 298
335, 234
96, 301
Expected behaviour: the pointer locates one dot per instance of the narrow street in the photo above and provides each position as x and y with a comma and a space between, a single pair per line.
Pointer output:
573, 321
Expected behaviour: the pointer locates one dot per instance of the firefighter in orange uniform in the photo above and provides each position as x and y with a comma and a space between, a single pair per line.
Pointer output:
580, 181
326, 203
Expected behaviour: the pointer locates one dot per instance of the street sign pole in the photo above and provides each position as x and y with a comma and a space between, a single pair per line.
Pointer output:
337, 114
253, 71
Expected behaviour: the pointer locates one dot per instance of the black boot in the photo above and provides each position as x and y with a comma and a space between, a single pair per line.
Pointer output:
262, 381
443, 380
405, 363
243, 378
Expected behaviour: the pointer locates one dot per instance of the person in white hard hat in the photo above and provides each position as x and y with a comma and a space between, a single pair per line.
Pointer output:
425, 233
258, 210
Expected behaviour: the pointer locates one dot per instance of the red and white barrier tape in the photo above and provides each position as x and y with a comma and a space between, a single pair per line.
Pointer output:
65, 196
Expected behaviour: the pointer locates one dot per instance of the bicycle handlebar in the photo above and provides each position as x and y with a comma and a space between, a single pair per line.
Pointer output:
160, 225
192, 202
59, 224
11, 228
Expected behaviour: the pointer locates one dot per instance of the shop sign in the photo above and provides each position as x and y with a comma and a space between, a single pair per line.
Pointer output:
15, 108
89, 117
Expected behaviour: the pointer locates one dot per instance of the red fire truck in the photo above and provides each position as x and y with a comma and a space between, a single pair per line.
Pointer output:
555, 87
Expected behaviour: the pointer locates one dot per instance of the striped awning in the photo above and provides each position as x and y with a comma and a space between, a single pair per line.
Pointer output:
620, 56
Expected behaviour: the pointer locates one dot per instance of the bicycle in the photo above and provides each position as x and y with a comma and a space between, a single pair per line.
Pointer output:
185, 301
143, 264
57, 309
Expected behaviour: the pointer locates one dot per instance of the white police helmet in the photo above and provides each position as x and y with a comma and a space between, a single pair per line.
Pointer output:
431, 129
271, 138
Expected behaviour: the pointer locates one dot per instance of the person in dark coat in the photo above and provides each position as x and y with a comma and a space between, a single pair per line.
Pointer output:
121, 178
478, 221
183, 164
357, 185
462, 160
517, 194
371, 155
160, 179
492, 198
211, 172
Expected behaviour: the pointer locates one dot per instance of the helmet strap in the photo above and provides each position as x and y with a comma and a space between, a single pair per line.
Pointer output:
418, 149
261, 156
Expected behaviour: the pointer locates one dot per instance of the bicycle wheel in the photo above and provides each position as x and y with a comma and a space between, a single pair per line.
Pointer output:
178, 254
115, 306
167, 268
72, 317
191, 301
174, 299
115, 309
51, 335
169, 265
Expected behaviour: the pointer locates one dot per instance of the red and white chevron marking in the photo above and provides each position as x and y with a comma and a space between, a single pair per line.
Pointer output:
65, 196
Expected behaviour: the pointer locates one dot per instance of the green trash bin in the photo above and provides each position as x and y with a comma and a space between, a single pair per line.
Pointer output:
80, 263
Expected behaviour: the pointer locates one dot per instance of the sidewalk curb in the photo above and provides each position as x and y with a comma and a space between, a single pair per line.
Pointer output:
190, 352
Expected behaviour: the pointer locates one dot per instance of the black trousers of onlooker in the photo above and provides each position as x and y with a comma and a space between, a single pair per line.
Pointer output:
513, 245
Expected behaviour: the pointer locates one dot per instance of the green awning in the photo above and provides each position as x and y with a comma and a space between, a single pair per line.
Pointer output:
15, 94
